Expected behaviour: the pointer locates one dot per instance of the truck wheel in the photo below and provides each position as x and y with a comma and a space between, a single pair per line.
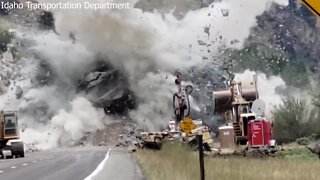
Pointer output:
158, 143
17, 149
6, 153
193, 144
21, 154
1, 154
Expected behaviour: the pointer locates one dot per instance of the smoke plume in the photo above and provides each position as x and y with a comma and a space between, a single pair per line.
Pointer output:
267, 88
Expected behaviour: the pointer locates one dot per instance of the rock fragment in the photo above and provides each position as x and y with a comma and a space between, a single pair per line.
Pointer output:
225, 12
202, 43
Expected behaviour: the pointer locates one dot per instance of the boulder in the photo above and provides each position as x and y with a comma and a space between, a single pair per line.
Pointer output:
314, 147
108, 88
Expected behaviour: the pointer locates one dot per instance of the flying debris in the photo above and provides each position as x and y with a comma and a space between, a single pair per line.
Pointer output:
202, 43
19, 92
235, 41
72, 36
225, 12
206, 30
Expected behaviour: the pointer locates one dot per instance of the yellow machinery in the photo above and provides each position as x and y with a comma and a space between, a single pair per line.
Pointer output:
235, 104
10, 146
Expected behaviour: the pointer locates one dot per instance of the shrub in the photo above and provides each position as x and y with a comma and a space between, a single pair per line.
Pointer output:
293, 119
296, 153
303, 141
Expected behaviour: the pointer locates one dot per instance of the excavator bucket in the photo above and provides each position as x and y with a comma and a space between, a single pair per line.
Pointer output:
222, 101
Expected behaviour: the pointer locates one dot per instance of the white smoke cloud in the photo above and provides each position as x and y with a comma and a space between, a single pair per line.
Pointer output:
155, 94
66, 127
69, 60
267, 88
72, 115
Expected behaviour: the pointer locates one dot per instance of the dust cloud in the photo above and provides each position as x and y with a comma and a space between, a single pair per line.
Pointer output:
267, 87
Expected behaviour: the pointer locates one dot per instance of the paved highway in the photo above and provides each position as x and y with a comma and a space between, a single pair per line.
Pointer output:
89, 163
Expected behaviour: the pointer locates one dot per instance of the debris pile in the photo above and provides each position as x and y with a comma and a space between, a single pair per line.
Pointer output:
129, 137
30, 147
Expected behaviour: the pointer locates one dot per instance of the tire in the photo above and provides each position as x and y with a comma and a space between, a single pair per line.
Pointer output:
17, 149
22, 154
1, 154
193, 144
158, 143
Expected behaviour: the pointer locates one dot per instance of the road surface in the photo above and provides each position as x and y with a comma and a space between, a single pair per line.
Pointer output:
89, 163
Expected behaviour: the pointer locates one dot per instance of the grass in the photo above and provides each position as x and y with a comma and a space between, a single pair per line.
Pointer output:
176, 162
297, 153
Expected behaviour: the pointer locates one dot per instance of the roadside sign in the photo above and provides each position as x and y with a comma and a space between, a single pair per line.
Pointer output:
313, 5
187, 125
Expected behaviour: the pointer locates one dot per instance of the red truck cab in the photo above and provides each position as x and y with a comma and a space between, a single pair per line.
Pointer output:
260, 133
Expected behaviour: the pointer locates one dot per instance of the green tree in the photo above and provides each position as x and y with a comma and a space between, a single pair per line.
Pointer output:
316, 121
293, 119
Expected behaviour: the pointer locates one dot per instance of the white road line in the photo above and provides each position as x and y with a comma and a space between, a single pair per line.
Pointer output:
34, 161
1, 172
100, 166
25, 164
13, 167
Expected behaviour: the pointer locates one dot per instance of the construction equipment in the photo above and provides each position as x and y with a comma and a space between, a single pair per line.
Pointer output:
153, 140
259, 130
235, 104
244, 116
207, 138
181, 103
190, 128
181, 106
10, 145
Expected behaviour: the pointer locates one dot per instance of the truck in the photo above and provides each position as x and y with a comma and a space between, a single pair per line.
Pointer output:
10, 145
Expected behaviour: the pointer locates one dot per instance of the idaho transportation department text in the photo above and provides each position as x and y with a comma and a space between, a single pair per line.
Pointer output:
63, 5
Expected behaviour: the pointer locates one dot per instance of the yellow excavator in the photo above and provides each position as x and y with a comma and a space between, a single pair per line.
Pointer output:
10, 145
236, 104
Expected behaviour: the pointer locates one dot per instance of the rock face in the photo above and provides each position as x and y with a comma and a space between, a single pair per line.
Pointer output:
292, 30
6, 70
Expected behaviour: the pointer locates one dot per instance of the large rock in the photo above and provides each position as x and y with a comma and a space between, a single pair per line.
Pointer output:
314, 147
108, 88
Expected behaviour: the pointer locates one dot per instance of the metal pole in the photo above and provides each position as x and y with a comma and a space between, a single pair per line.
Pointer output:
200, 147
